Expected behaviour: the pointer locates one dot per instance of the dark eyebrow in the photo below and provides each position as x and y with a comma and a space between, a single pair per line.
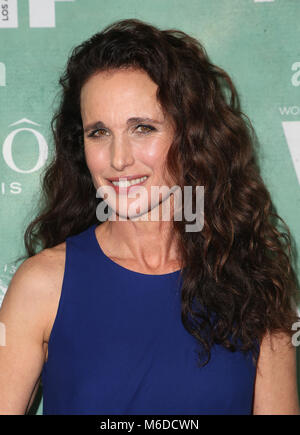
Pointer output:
100, 124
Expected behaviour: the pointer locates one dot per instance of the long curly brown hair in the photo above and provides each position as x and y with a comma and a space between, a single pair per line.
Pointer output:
238, 282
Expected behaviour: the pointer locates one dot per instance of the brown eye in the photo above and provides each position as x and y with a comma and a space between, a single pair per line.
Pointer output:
97, 133
145, 128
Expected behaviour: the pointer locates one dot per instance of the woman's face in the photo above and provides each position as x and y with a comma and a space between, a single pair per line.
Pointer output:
125, 135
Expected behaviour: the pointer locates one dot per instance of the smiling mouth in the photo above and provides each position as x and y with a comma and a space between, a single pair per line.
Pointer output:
127, 183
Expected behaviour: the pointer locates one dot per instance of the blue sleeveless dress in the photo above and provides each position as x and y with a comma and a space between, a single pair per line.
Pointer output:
118, 346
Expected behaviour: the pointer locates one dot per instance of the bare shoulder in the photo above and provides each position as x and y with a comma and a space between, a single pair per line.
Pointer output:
37, 284
46, 258
50, 265
43, 270
27, 312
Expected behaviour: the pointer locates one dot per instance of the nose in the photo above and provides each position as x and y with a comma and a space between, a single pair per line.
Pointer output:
121, 153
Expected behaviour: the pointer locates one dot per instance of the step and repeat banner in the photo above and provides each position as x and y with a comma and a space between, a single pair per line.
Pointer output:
255, 41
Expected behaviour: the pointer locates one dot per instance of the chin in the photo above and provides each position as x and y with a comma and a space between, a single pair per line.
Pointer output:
127, 215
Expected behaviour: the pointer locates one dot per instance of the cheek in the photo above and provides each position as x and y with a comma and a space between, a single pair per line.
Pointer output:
95, 159
154, 152
156, 159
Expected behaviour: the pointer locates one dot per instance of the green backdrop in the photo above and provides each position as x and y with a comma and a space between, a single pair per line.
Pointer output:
256, 42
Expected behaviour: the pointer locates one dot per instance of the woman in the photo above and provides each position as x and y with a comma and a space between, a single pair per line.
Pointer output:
96, 314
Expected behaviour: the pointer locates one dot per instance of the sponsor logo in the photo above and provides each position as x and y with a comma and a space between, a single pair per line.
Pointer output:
8, 146
289, 110
41, 13
2, 74
291, 129
13, 187
296, 76
8, 14
292, 134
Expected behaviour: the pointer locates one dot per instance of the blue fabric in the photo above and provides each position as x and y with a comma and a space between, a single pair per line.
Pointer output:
118, 346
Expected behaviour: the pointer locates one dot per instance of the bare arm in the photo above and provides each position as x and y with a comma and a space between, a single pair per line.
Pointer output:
24, 314
275, 389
